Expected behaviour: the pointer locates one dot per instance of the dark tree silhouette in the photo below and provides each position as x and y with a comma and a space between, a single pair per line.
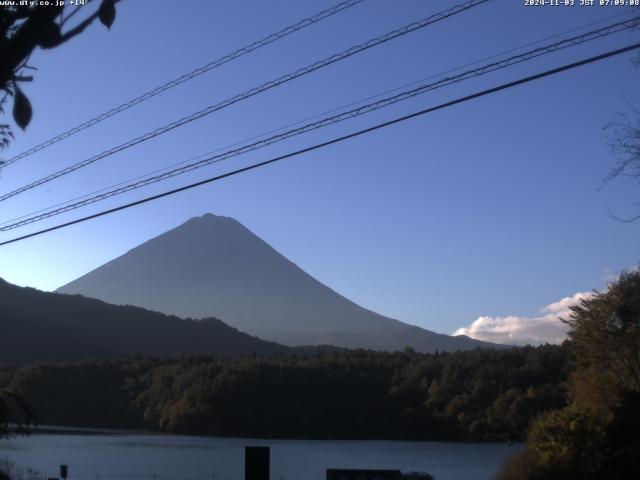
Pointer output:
23, 28
16, 418
624, 140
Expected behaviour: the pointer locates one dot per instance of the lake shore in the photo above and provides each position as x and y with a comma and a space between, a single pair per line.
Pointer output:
115, 453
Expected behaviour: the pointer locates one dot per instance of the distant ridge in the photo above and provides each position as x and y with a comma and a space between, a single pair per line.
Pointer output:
214, 266
37, 326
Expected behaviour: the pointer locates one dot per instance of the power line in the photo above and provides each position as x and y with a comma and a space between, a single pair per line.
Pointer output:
319, 115
383, 103
188, 76
254, 91
358, 133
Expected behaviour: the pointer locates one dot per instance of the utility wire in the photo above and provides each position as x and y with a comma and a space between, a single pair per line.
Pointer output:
358, 133
188, 76
319, 115
383, 103
254, 91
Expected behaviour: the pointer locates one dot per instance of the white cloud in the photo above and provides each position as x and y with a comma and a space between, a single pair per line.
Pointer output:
515, 330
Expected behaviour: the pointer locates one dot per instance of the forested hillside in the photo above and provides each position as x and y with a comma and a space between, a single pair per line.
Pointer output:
37, 325
478, 395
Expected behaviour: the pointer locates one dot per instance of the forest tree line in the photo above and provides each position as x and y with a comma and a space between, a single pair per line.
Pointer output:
476, 395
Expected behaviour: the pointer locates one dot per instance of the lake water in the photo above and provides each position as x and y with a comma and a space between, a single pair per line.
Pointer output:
140, 456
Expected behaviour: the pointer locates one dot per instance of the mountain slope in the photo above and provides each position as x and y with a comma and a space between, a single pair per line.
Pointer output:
214, 266
36, 325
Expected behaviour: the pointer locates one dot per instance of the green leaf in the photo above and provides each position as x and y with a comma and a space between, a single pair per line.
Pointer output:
107, 12
22, 111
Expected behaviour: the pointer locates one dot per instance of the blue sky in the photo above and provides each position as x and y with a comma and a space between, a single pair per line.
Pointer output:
489, 208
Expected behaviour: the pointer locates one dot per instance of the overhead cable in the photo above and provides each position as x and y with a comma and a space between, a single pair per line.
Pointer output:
187, 76
252, 92
377, 105
317, 146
